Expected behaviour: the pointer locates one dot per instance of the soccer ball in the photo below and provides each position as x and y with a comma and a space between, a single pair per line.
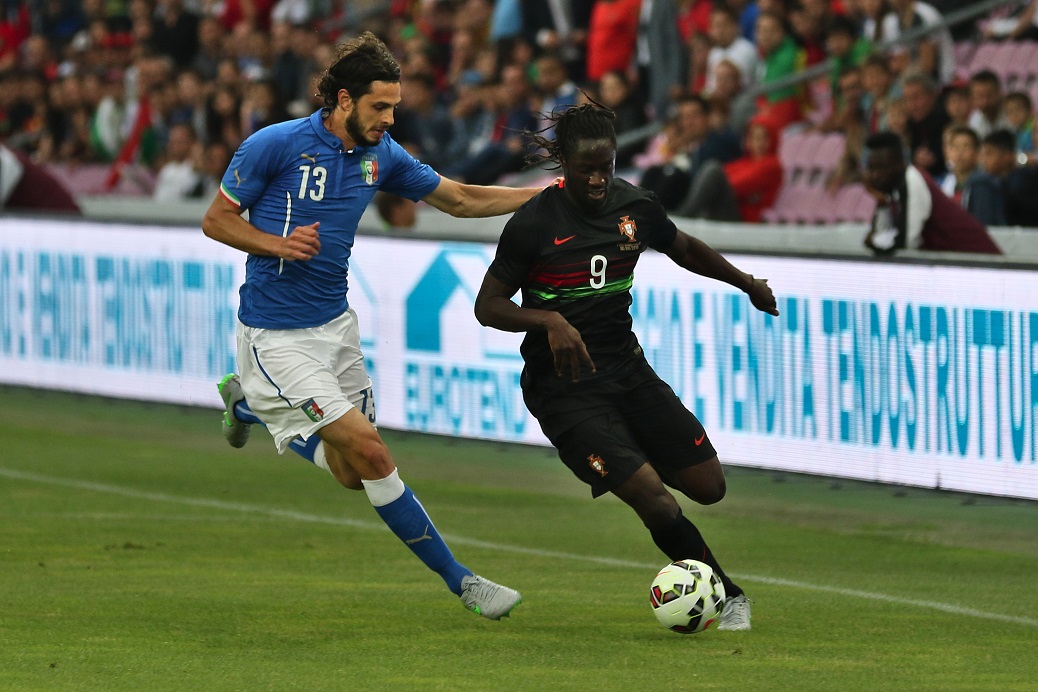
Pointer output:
687, 596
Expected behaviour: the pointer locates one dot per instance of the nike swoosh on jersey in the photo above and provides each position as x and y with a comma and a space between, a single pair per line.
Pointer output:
560, 241
699, 440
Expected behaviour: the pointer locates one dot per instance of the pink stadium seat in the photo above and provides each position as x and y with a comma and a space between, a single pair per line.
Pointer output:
964, 51
1002, 60
827, 209
984, 57
1023, 70
829, 151
796, 152
848, 201
864, 206
806, 198
89, 179
785, 205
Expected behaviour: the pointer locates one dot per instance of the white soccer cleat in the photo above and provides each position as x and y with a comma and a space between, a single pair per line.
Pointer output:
736, 614
235, 431
488, 599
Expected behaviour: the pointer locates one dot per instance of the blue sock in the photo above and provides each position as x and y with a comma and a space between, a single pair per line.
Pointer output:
307, 449
406, 517
243, 413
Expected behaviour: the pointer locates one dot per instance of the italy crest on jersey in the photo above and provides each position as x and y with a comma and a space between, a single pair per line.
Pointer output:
369, 168
628, 227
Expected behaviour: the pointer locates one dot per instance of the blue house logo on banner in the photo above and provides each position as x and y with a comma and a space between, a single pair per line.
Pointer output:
460, 378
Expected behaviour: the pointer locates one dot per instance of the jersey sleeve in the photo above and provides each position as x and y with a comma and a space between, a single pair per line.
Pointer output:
517, 251
251, 169
662, 230
409, 177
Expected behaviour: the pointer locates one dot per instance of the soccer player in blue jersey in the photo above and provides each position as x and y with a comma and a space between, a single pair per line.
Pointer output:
305, 184
617, 426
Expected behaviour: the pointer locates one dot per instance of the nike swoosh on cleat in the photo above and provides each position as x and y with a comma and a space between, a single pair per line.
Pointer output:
560, 241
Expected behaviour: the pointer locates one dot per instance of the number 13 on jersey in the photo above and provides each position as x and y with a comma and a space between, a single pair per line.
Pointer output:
319, 175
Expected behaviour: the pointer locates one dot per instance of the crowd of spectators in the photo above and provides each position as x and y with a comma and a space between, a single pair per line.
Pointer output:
174, 86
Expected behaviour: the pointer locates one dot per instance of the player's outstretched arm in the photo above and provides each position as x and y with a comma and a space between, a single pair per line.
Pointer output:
696, 256
477, 201
494, 308
223, 222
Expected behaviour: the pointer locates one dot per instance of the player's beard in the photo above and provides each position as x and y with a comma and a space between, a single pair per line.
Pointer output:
353, 129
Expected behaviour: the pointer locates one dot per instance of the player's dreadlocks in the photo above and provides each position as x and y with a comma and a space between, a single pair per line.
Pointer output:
361, 60
587, 121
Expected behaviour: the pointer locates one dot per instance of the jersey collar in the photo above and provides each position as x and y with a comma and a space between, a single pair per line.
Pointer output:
325, 135
317, 122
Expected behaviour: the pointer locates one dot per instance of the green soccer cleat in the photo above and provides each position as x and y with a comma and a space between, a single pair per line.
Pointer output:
234, 431
488, 599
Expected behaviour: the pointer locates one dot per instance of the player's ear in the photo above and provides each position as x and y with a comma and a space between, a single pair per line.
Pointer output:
345, 101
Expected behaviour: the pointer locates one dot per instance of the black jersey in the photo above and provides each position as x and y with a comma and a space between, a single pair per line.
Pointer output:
581, 266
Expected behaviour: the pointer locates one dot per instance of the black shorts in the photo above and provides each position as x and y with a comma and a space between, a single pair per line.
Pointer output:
606, 430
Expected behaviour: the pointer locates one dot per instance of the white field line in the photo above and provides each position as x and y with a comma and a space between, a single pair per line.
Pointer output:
273, 512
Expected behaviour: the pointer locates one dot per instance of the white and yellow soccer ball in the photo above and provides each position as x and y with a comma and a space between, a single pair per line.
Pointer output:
687, 596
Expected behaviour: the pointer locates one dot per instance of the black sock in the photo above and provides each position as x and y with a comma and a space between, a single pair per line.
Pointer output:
681, 540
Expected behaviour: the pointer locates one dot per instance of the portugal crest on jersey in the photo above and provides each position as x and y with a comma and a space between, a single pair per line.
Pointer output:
628, 227
369, 168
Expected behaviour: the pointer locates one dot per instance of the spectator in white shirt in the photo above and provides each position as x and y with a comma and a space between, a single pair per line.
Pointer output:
177, 177
986, 100
728, 44
933, 53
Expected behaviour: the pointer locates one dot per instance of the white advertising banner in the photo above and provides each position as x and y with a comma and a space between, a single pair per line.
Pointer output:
920, 375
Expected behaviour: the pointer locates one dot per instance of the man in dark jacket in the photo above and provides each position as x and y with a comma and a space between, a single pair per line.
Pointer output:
912, 212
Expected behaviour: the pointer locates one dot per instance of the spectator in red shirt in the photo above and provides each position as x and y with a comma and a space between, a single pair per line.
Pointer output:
14, 28
693, 17
741, 189
611, 36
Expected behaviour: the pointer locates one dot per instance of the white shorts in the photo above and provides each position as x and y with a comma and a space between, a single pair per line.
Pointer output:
299, 380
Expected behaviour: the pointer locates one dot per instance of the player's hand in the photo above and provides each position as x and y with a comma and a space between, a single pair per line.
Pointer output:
761, 296
569, 349
302, 243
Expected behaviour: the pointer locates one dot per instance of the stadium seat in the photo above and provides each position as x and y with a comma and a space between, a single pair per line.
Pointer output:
1015, 62
964, 51
796, 152
854, 204
829, 152
1002, 62
864, 204
798, 202
89, 179
983, 58
1024, 66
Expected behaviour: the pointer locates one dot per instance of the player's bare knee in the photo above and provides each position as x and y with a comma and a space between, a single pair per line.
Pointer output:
655, 507
373, 459
712, 493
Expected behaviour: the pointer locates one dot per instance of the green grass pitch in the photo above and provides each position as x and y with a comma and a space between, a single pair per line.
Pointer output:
139, 552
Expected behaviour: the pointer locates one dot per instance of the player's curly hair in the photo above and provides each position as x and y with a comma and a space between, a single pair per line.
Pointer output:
587, 121
360, 61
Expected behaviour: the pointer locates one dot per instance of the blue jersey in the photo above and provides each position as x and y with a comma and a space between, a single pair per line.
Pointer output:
293, 174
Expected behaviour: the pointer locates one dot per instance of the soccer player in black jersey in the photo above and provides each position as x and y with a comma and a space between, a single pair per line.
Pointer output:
572, 251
